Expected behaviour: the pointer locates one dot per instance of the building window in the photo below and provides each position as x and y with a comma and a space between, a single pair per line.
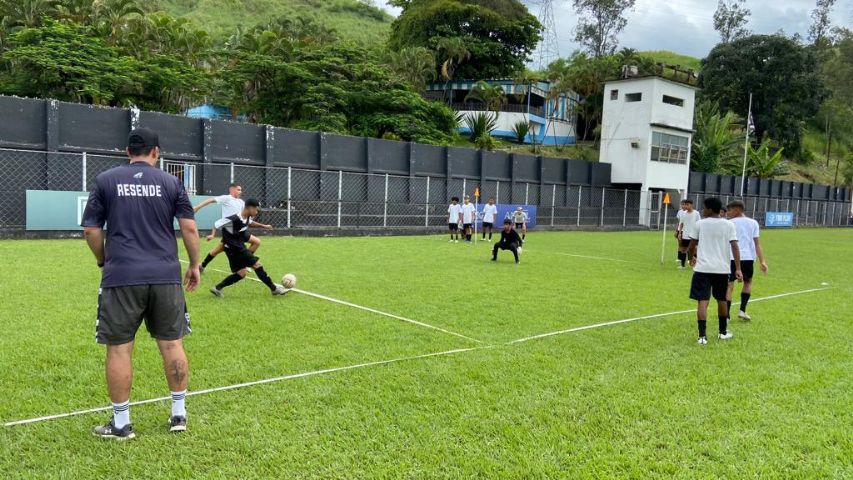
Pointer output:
614, 94
633, 97
678, 102
669, 148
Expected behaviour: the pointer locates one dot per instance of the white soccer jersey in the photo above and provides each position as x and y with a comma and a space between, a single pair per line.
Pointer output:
519, 217
747, 232
688, 223
453, 212
230, 205
489, 213
713, 253
469, 212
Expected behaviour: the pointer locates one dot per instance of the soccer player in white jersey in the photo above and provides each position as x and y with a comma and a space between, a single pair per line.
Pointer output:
711, 240
519, 218
688, 220
469, 214
231, 205
750, 249
454, 218
490, 212
677, 233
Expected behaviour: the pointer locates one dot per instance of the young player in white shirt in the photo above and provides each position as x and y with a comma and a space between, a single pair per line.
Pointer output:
713, 241
519, 218
677, 233
454, 217
490, 213
686, 222
469, 214
231, 205
750, 249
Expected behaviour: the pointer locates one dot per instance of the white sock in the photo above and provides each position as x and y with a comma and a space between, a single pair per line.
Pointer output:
121, 414
178, 407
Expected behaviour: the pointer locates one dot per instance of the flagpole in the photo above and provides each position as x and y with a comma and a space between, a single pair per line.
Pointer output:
746, 146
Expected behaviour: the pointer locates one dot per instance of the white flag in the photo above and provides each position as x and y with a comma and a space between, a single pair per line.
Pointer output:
750, 125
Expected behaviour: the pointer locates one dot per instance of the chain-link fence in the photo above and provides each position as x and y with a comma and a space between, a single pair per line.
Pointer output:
296, 198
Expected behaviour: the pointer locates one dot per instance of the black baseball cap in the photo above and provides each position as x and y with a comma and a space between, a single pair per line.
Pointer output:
507, 221
142, 138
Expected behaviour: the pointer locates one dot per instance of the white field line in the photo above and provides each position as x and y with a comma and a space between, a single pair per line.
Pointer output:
380, 362
646, 317
591, 257
366, 309
249, 384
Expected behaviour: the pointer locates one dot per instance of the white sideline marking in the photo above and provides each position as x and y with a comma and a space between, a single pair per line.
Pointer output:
590, 257
249, 384
382, 362
645, 317
366, 309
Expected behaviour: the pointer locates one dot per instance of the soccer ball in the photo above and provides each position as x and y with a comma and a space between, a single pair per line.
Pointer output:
289, 280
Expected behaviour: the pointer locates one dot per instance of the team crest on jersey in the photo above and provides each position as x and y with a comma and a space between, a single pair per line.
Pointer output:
138, 175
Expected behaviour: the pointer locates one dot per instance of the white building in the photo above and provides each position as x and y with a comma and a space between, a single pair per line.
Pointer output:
646, 133
552, 118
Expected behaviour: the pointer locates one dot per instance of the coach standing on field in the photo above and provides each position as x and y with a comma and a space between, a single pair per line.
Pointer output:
141, 275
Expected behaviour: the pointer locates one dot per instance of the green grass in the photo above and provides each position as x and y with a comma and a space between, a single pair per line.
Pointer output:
672, 58
350, 18
635, 400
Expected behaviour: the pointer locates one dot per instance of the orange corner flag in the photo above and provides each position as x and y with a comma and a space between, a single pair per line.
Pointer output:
477, 192
666, 198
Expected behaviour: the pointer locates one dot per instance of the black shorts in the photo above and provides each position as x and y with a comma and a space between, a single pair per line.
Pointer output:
747, 267
453, 227
466, 226
519, 226
488, 225
706, 284
239, 257
684, 242
121, 311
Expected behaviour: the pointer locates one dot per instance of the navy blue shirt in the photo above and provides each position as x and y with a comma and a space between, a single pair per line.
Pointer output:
138, 203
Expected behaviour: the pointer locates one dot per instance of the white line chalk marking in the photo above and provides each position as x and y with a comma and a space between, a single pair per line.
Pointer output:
366, 309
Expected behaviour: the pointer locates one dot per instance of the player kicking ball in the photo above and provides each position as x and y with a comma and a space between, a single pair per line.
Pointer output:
509, 241
239, 257
712, 241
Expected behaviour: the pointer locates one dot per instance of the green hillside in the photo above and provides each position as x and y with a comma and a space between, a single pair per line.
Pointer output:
350, 18
673, 58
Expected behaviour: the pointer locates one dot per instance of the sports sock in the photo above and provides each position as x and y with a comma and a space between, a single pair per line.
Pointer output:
729, 308
702, 327
724, 322
523, 236
207, 259
178, 407
744, 299
262, 274
121, 414
682, 257
229, 280
490, 235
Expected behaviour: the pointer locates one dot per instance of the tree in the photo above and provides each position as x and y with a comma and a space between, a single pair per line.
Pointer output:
451, 52
499, 35
599, 22
415, 65
782, 76
492, 97
716, 139
821, 23
730, 20
762, 163
25, 13
112, 16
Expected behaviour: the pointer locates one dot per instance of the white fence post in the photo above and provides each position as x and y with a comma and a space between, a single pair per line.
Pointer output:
553, 202
385, 211
580, 189
825, 208
232, 174
464, 187
498, 192
426, 209
797, 215
603, 192
340, 194
625, 210
527, 193
832, 222
289, 181
85, 161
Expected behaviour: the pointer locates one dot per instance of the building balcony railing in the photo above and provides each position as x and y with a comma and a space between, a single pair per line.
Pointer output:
511, 108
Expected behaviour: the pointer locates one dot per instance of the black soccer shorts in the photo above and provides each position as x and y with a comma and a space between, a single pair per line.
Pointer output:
121, 310
747, 267
453, 227
239, 257
704, 285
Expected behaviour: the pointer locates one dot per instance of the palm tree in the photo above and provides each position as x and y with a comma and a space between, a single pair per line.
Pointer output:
415, 65
451, 52
716, 141
76, 11
25, 13
492, 96
113, 15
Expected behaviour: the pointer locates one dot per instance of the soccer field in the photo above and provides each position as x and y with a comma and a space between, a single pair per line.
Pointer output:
453, 385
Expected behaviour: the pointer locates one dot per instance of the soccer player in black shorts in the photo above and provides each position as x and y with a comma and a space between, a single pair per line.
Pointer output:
509, 241
750, 249
712, 241
140, 274
239, 257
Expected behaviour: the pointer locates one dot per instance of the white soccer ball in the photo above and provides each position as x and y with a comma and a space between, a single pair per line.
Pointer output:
289, 280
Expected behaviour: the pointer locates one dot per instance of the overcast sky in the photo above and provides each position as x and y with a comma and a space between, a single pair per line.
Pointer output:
686, 26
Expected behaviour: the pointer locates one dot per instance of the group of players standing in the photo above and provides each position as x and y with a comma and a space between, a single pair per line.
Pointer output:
465, 215
722, 246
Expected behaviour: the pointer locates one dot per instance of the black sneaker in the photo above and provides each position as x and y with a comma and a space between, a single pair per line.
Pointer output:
110, 431
177, 423
494, 259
